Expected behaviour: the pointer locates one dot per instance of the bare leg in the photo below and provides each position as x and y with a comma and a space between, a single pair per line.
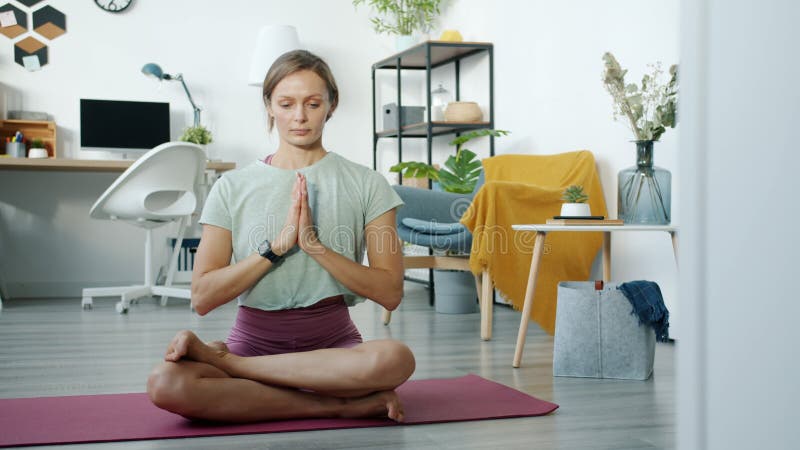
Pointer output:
200, 391
346, 372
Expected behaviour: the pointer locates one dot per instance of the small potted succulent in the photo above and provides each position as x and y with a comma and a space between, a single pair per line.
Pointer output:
575, 202
37, 150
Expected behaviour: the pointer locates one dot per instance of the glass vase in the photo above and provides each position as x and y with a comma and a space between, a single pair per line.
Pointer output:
644, 190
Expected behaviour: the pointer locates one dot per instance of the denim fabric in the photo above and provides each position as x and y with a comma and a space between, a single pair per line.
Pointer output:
648, 304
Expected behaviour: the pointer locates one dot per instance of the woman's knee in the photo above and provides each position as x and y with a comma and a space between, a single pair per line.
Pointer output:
393, 362
167, 387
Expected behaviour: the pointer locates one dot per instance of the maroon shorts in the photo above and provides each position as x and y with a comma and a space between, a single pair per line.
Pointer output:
326, 324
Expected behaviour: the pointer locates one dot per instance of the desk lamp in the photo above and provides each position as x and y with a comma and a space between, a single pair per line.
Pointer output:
152, 69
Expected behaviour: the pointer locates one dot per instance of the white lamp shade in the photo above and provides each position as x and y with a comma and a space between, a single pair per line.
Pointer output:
273, 41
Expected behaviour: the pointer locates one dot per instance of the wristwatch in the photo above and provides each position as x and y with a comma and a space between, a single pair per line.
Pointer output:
265, 250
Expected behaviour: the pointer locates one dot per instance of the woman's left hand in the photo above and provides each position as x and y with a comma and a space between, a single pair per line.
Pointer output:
307, 234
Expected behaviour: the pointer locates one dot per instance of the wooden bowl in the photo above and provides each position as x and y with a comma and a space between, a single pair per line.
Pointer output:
463, 112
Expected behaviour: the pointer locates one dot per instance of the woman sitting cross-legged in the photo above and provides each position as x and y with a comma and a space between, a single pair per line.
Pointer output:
296, 225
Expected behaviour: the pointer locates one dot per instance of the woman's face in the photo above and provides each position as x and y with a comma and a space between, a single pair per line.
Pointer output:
300, 107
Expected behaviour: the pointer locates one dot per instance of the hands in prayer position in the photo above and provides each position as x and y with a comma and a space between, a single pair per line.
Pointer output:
299, 226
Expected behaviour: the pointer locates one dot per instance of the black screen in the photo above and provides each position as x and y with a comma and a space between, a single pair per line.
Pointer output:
124, 124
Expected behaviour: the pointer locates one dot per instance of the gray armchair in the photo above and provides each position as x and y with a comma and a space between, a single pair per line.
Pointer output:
431, 219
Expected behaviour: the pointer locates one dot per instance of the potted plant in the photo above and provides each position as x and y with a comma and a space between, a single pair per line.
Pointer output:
402, 18
37, 149
460, 172
644, 190
575, 202
197, 135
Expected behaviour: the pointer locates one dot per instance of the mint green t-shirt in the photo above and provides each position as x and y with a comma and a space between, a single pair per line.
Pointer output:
253, 202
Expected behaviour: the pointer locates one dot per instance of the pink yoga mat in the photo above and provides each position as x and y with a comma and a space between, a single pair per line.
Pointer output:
126, 417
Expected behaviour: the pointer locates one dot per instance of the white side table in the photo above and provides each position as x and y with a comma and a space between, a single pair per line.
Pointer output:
541, 231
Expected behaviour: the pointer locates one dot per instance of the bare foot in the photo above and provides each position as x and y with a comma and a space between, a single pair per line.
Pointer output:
186, 345
383, 403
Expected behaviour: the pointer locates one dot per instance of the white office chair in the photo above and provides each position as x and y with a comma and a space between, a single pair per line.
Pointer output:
159, 188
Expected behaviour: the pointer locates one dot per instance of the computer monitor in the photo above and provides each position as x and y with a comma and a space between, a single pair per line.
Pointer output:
123, 126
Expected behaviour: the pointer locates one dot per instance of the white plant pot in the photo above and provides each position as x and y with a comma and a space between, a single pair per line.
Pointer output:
37, 153
575, 209
404, 41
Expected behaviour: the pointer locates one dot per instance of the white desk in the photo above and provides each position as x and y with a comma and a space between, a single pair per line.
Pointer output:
87, 165
541, 231
213, 168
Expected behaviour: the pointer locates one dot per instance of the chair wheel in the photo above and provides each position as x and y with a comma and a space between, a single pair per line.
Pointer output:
121, 309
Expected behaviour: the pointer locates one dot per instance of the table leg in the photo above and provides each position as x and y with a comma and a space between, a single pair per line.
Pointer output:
606, 256
538, 247
486, 305
479, 288
674, 236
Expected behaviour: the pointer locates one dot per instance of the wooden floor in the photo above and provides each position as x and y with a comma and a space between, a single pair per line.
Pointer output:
51, 348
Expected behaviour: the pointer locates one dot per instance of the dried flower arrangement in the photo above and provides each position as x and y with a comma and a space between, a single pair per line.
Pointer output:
649, 108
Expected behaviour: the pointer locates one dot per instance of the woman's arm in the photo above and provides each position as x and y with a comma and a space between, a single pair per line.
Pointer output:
382, 281
215, 281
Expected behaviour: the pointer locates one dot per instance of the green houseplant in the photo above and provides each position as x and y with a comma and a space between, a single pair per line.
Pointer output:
197, 135
574, 194
402, 17
37, 143
460, 172
38, 149
575, 202
644, 190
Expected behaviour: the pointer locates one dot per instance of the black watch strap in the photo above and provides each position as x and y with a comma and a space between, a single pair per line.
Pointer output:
265, 250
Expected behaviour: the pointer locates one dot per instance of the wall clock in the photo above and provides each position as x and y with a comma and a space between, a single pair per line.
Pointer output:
114, 6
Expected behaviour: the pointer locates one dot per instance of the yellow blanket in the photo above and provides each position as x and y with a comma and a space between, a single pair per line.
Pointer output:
525, 189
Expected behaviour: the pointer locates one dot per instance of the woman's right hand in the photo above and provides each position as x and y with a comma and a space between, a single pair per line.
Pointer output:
287, 237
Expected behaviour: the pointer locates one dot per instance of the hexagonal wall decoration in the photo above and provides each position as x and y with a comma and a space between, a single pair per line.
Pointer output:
29, 3
30, 47
22, 21
49, 22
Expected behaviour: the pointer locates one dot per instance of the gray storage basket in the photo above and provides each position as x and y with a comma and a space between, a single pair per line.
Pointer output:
597, 336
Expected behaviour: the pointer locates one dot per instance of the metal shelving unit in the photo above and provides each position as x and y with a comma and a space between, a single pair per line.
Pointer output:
428, 56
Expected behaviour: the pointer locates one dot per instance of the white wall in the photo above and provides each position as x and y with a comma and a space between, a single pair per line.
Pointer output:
547, 91
737, 373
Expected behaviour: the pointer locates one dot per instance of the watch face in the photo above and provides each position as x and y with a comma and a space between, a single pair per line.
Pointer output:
114, 6
264, 247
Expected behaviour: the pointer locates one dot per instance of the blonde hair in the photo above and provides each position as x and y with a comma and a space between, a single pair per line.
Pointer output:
295, 61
